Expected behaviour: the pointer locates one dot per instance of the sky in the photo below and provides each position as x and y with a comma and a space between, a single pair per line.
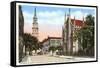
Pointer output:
51, 19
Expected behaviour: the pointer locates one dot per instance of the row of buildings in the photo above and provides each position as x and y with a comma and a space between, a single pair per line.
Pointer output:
66, 41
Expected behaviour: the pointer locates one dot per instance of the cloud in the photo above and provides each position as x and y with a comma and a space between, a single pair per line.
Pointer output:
78, 15
28, 17
50, 14
51, 17
27, 28
50, 22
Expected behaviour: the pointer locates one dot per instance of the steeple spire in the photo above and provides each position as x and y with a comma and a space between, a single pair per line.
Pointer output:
83, 21
65, 16
69, 12
35, 16
83, 18
74, 17
35, 12
74, 21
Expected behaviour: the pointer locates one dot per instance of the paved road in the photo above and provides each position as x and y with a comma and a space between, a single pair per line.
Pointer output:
43, 59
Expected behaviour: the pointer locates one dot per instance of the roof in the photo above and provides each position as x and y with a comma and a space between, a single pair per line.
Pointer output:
54, 37
50, 38
77, 22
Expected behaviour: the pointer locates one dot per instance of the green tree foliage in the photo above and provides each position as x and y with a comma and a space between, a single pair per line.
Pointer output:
86, 36
30, 42
90, 20
52, 48
40, 45
59, 48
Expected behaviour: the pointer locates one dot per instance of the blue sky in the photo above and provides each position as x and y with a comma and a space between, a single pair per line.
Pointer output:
51, 18
30, 9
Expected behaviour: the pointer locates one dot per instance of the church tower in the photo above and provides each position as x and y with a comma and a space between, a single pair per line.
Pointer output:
35, 25
67, 35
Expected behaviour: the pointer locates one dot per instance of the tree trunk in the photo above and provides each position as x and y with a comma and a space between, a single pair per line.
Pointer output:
25, 51
35, 51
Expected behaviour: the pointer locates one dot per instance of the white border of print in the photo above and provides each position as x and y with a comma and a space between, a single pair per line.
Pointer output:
30, 4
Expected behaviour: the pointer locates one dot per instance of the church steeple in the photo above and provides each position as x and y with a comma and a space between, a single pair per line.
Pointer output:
35, 16
68, 12
83, 19
35, 25
74, 21
65, 17
35, 13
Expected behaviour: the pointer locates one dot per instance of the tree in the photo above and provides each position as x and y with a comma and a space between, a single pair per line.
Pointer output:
90, 20
40, 45
86, 36
30, 43
60, 50
52, 48
90, 24
59, 47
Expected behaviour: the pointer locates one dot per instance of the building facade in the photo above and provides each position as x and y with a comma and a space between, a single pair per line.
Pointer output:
35, 25
21, 32
50, 41
71, 46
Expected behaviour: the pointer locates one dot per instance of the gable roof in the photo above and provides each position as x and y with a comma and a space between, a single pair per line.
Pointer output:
77, 22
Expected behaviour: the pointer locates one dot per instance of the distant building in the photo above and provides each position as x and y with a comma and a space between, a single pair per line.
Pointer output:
51, 41
21, 32
35, 26
68, 30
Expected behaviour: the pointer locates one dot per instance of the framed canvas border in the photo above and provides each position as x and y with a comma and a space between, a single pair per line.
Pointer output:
13, 32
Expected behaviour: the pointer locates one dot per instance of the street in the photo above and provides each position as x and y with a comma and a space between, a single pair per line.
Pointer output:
44, 59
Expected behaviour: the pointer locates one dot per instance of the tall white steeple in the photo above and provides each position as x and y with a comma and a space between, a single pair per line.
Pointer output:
35, 25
